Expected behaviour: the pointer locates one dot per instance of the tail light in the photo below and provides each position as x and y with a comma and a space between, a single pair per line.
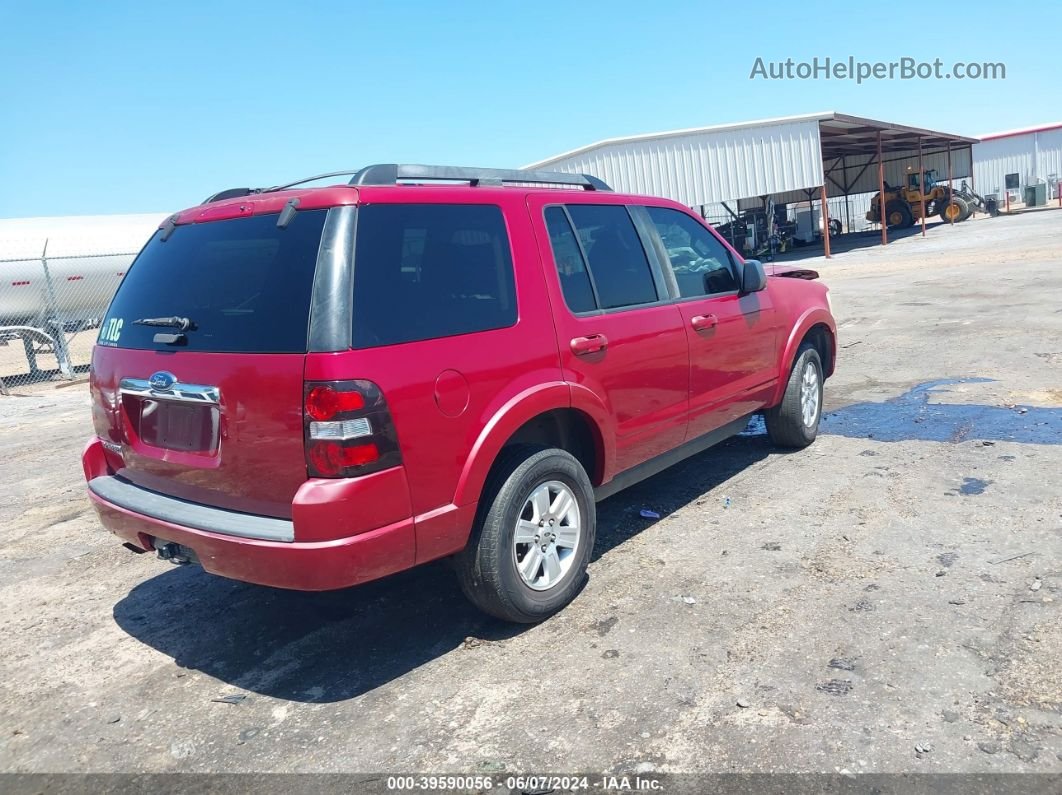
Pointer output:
347, 429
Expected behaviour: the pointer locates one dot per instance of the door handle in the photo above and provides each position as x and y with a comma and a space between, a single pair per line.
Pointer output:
581, 346
703, 322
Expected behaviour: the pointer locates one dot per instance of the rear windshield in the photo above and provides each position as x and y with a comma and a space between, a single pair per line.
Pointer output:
244, 283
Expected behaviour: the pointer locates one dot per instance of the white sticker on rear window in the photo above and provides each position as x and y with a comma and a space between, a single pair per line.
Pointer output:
111, 331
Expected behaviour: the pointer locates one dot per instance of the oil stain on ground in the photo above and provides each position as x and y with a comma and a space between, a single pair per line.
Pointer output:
911, 416
973, 486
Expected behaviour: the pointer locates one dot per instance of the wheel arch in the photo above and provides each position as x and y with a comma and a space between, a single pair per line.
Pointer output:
550, 416
815, 326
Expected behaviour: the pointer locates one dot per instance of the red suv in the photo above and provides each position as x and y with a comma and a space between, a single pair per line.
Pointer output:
310, 388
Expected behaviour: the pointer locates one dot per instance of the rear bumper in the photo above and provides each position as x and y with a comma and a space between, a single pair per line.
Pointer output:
120, 493
144, 518
314, 566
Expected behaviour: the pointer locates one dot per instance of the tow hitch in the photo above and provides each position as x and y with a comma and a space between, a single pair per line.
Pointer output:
175, 553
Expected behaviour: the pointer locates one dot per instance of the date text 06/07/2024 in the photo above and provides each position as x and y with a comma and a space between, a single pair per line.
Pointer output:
531, 783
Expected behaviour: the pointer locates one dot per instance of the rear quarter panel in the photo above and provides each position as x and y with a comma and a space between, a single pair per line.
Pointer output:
455, 400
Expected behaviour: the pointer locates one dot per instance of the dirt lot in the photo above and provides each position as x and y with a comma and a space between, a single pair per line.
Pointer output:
895, 587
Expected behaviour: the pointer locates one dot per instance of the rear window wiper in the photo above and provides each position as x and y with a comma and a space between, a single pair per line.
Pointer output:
180, 323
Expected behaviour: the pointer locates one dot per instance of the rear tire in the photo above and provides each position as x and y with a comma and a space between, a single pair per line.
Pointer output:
955, 210
794, 423
967, 208
533, 538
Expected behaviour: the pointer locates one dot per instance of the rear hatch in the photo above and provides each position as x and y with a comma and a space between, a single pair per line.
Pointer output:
197, 376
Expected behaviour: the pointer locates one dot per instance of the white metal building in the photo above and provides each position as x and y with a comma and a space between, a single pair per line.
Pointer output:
769, 157
1031, 156
791, 159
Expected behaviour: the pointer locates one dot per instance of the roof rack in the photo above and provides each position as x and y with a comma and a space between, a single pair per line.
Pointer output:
391, 173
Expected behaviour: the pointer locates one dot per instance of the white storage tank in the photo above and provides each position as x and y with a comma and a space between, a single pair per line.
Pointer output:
86, 258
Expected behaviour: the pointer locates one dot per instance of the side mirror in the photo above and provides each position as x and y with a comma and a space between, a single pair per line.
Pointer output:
753, 279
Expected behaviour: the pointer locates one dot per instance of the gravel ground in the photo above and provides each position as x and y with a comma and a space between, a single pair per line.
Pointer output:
885, 601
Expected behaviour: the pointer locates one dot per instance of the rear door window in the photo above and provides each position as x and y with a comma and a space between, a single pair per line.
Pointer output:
700, 262
571, 268
424, 271
244, 283
618, 265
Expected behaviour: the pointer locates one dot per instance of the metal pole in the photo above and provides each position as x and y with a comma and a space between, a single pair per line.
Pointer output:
922, 182
52, 324
881, 193
825, 212
767, 227
825, 222
847, 203
31, 355
951, 220
973, 185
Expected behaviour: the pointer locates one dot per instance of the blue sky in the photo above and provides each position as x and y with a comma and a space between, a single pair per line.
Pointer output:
140, 107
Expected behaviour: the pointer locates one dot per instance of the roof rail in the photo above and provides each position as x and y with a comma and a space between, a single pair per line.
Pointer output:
233, 193
310, 179
391, 173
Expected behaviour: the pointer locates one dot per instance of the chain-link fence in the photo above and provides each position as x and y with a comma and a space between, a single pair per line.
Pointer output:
51, 305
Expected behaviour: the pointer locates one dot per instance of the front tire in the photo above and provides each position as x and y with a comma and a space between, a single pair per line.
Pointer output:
794, 423
528, 553
898, 215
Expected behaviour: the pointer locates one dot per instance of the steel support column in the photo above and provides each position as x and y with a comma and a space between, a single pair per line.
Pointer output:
825, 223
921, 181
847, 202
950, 219
881, 194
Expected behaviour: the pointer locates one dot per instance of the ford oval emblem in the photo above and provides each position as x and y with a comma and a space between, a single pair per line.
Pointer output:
162, 380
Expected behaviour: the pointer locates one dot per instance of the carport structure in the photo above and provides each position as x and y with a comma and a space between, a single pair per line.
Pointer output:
791, 159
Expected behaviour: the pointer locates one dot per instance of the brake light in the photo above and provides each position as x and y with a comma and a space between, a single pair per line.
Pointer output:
347, 429
331, 458
224, 212
324, 402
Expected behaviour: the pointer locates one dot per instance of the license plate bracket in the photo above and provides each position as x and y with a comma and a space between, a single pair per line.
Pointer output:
176, 425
